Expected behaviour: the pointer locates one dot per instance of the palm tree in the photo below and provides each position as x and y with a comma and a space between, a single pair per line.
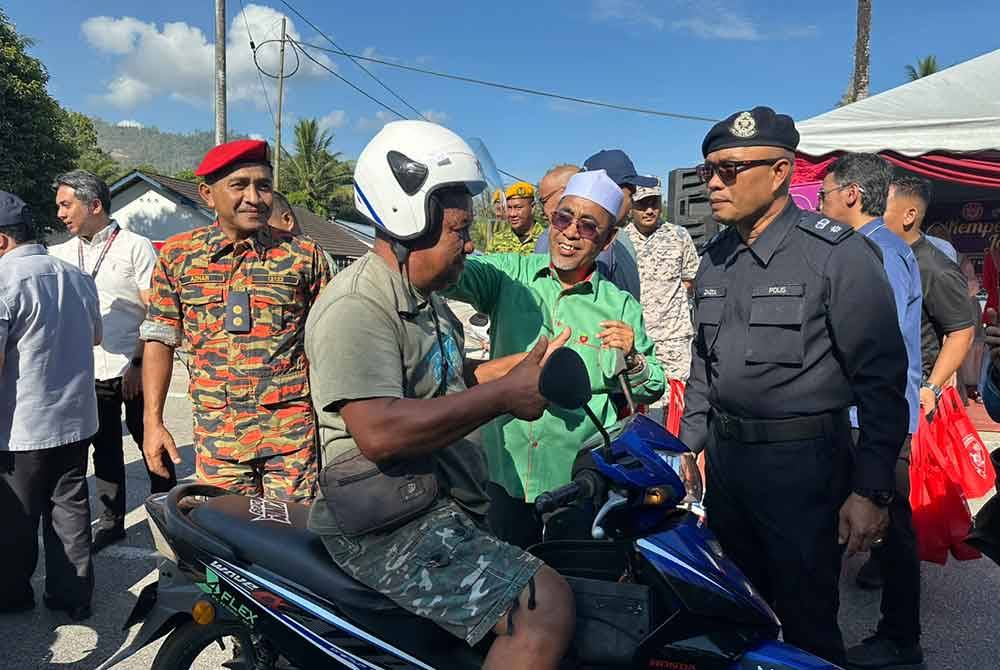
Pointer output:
925, 66
314, 174
862, 54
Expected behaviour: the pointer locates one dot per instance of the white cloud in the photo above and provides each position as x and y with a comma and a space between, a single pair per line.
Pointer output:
379, 119
707, 19
335, 119
721, 26
178, 60
625, 11
129, 123
256, 136
435, 116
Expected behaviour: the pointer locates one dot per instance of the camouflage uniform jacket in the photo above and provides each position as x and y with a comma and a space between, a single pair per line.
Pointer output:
250, 391
505, 241
666, 259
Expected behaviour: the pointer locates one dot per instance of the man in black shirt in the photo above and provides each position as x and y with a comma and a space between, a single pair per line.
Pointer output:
780, 355
946, 332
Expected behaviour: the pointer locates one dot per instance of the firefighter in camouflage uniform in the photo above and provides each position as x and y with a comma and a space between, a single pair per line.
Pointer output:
237, 294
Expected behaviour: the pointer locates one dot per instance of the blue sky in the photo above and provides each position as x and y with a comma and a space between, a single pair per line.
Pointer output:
151, 63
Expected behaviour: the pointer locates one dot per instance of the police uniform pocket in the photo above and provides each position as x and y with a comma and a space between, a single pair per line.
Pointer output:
775, 330
708, 315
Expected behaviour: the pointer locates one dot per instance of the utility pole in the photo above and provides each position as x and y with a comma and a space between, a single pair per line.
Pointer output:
220, 71
277, 121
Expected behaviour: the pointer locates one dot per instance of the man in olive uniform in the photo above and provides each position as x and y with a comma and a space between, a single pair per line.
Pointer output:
523, 232
237, 293
780, 355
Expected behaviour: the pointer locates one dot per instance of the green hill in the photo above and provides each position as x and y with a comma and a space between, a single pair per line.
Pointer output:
168, 152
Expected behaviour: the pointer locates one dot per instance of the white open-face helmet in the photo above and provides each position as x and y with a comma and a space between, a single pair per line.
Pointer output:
402, 166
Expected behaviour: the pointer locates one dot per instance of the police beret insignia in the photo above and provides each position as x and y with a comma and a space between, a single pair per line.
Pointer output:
744, 126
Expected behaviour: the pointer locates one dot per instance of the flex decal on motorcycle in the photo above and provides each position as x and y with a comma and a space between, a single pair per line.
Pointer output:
332, 650
213, 587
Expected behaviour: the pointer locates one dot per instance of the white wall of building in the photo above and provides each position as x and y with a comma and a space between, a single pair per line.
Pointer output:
147, 212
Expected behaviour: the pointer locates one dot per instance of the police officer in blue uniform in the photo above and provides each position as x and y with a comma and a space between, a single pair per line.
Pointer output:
795, 323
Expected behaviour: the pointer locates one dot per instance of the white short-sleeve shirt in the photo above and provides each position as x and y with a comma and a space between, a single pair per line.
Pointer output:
126, 270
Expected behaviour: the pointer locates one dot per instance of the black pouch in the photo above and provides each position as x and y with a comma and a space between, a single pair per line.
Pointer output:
366, 498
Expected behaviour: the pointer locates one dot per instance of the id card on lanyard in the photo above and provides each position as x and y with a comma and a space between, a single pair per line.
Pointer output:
104, 252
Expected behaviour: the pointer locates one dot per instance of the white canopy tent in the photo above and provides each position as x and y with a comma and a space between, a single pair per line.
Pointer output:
956, 110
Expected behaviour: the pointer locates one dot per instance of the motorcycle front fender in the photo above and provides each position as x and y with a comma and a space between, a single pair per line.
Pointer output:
162, 606
774, 655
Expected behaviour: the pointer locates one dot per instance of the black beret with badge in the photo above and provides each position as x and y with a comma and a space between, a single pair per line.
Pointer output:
760, 127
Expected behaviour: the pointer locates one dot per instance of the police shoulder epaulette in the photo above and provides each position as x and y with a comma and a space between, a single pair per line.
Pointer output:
826, 229
715, 238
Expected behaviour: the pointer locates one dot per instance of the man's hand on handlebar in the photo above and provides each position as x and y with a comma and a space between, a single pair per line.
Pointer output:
692, 478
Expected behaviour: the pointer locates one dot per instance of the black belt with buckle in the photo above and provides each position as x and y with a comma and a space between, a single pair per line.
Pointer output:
777, 430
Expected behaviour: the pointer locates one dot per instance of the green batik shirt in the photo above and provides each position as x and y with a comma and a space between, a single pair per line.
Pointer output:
525, 300
505, 241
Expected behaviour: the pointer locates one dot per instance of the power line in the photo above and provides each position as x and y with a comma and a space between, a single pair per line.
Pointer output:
511, 87
357, 88
353, 59
253, 53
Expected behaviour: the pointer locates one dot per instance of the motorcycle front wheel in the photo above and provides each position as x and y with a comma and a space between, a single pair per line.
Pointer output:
223, 644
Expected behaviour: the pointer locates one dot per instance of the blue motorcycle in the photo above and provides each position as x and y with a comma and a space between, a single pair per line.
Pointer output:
244, 583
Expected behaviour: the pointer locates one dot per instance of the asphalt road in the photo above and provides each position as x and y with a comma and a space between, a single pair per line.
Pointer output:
960, 613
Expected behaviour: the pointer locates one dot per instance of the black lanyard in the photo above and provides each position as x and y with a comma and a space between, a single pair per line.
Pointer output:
104, 252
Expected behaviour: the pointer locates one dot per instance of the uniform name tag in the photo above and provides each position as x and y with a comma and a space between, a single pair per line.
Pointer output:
238, 312
778, 290
713, 292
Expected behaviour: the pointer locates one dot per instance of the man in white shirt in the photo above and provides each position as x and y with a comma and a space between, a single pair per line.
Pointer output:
49, 322
121, 263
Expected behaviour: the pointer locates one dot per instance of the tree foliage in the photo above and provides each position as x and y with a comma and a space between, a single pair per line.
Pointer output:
924, 67
33, 127
315, 177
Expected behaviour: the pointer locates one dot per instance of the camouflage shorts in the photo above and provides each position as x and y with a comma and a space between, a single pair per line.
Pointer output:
289, 477
440, 566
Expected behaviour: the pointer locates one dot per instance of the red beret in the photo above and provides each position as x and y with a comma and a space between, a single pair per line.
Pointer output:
231, 153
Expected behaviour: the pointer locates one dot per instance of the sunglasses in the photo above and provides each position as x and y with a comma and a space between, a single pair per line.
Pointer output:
563, 219
821, 194
727, 170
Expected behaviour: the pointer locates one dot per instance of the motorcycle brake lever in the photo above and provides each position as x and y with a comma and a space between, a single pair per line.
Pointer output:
615, 500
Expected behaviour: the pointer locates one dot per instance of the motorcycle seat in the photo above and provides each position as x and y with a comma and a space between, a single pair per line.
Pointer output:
273, 534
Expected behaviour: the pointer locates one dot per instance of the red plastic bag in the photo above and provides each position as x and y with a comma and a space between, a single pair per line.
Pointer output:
967, 460
941, 516
932, 539
675, 409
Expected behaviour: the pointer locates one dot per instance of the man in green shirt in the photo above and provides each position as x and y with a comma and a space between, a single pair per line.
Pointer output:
545, 295
523, 231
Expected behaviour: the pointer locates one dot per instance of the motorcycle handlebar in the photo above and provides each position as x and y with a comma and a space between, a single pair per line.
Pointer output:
581, 487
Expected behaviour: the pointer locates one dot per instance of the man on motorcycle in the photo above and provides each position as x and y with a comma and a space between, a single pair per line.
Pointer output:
403, 507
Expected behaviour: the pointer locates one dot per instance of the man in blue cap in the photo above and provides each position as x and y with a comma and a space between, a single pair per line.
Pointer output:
50, 320
617, 262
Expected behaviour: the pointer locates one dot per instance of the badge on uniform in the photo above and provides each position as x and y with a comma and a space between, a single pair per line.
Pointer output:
238, 312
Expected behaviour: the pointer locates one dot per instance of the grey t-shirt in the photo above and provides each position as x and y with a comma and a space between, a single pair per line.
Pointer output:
49, 318
371, 335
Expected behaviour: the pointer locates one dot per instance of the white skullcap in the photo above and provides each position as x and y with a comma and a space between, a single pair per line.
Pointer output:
597, 187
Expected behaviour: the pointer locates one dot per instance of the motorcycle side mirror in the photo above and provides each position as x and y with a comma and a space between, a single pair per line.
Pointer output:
564, 381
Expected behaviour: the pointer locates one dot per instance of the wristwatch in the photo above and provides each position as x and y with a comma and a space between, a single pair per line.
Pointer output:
880, 497
934, 387
136, 362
